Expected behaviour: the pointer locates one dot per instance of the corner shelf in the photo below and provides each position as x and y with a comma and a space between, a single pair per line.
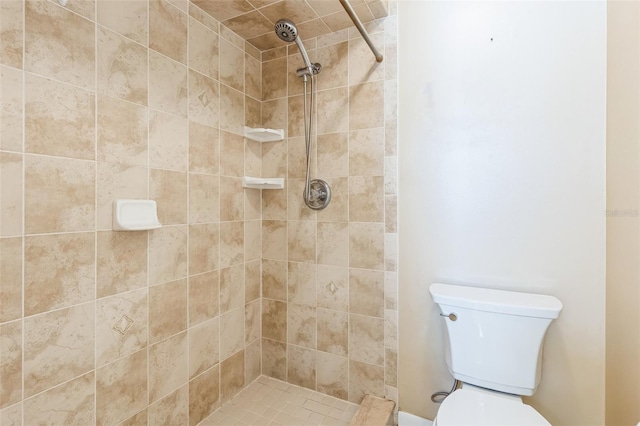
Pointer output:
261, 134
262, 183
135, 215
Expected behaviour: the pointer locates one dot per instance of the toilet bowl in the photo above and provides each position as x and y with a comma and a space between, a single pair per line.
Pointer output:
476, 406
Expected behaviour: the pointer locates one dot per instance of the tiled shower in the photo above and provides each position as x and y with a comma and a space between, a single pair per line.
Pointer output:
110, 99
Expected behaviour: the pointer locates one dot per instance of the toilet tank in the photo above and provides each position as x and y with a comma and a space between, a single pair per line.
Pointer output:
496, 338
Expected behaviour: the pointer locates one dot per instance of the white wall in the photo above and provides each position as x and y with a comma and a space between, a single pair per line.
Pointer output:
502, 182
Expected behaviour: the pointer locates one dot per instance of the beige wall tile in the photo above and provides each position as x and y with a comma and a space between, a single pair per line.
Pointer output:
333, 154
301, 237
204, 248
231, 198
366, 339
58, 346
339, 206
274, 240
118, 181
231, 109
59, 195
365, 379
167, 254
231, 375
168, 366
59, 44
204, 149
122, 262
390, 367
85, 8
366, 199
168, 31
252, 158
366, 245
122, 132
71, 403
295, 115
203, 17
335, 61
11, 200
204, 100
252, 361
333, 287
366, 292
274, 79
274, 320
204, 341
231, 288
366, 105
12, 415
274, 358
366, 152
252, 77
167, 310
297, 159
252, 323
231, 65
122, 67
127, 18
121, 389
167, 84
274, 204
332, 331
169, 189
231, 154
274, 279
390, 252
173, 409
274, 115
231, 243
362, 67
301, 283
252, 280
252, 112
204, 297
252, 240
296, 208
391, 138
10, 279
59, 119
204, 395
11, 351
301, 366
301, 325
11, 32
121, 325
333, 243
332, 107
391, 213
231, 332
274, 158
332, 374
138, 419
168, 141
59, 271
204, 198
203, 49
390, 328
11, 110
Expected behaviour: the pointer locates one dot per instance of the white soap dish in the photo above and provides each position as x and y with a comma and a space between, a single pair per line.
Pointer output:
135, 215
262, 183
261, 134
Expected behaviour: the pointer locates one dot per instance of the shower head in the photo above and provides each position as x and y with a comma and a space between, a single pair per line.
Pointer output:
287, 31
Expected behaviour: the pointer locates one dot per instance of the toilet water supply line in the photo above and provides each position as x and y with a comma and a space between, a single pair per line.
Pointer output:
438, 397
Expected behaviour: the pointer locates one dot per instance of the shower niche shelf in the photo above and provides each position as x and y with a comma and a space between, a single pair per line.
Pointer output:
262, 183
135, 215
261, 134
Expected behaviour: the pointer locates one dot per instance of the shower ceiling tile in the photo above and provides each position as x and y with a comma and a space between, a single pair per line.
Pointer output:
224, 9
294, 10
266, 41
250, 24
313, 28
337, 21
261, 3
325, 7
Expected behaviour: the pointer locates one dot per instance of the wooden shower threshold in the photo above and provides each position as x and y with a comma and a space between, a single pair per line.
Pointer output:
374, 411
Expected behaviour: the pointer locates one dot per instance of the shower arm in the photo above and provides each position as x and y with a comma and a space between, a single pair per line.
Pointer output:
360, 27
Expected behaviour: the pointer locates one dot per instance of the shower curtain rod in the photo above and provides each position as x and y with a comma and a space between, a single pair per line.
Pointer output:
363, 31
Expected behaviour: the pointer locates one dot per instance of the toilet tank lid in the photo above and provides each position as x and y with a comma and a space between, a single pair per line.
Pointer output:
499, 301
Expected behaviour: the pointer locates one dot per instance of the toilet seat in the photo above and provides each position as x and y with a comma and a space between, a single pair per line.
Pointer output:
480, 407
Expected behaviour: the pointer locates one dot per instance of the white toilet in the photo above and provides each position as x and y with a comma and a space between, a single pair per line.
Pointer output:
495, 340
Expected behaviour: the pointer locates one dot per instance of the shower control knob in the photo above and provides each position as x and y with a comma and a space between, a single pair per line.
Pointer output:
451, 316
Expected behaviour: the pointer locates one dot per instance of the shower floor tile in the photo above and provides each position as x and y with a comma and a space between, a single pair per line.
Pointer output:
268, 401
